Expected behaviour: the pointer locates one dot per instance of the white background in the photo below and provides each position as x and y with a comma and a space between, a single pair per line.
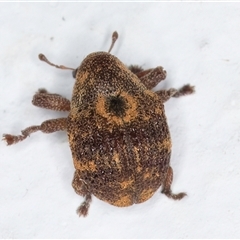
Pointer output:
197, 43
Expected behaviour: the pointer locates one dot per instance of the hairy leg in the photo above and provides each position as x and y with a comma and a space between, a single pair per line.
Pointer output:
49, 126
81, 189
150, 77
51, 101
172, 92
135, 69
167, 187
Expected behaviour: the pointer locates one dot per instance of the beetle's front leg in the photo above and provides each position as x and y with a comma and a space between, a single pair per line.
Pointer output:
49, 126
150, 77
51, 101
172, 92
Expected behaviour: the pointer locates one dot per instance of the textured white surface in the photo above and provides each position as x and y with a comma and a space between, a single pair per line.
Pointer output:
197, 43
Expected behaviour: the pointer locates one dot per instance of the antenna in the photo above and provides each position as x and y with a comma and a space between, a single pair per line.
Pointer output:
43, 58
114, 39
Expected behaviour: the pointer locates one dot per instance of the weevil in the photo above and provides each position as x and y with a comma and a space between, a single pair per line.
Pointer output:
117, 130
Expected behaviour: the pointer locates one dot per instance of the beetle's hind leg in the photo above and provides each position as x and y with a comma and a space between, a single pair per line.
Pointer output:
167, 187
81, 189
51, 101
150, 77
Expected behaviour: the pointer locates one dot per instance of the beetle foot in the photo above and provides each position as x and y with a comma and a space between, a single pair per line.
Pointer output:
178, 196
184, 90
12, 139
83, 208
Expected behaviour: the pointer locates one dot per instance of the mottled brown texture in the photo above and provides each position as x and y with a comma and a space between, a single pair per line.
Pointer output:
117, 130
122, 155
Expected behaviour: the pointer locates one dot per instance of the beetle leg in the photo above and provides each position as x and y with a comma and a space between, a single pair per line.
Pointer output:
51, 101
81, 189
135, 69
49, 126
172, 92
150, 77
167, 187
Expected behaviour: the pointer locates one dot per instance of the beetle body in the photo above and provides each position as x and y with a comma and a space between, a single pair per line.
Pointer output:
117, 132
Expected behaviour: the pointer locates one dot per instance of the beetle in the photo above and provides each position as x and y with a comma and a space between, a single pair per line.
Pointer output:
117, 130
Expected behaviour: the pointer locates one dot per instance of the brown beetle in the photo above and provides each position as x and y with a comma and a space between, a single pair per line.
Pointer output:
117, 130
